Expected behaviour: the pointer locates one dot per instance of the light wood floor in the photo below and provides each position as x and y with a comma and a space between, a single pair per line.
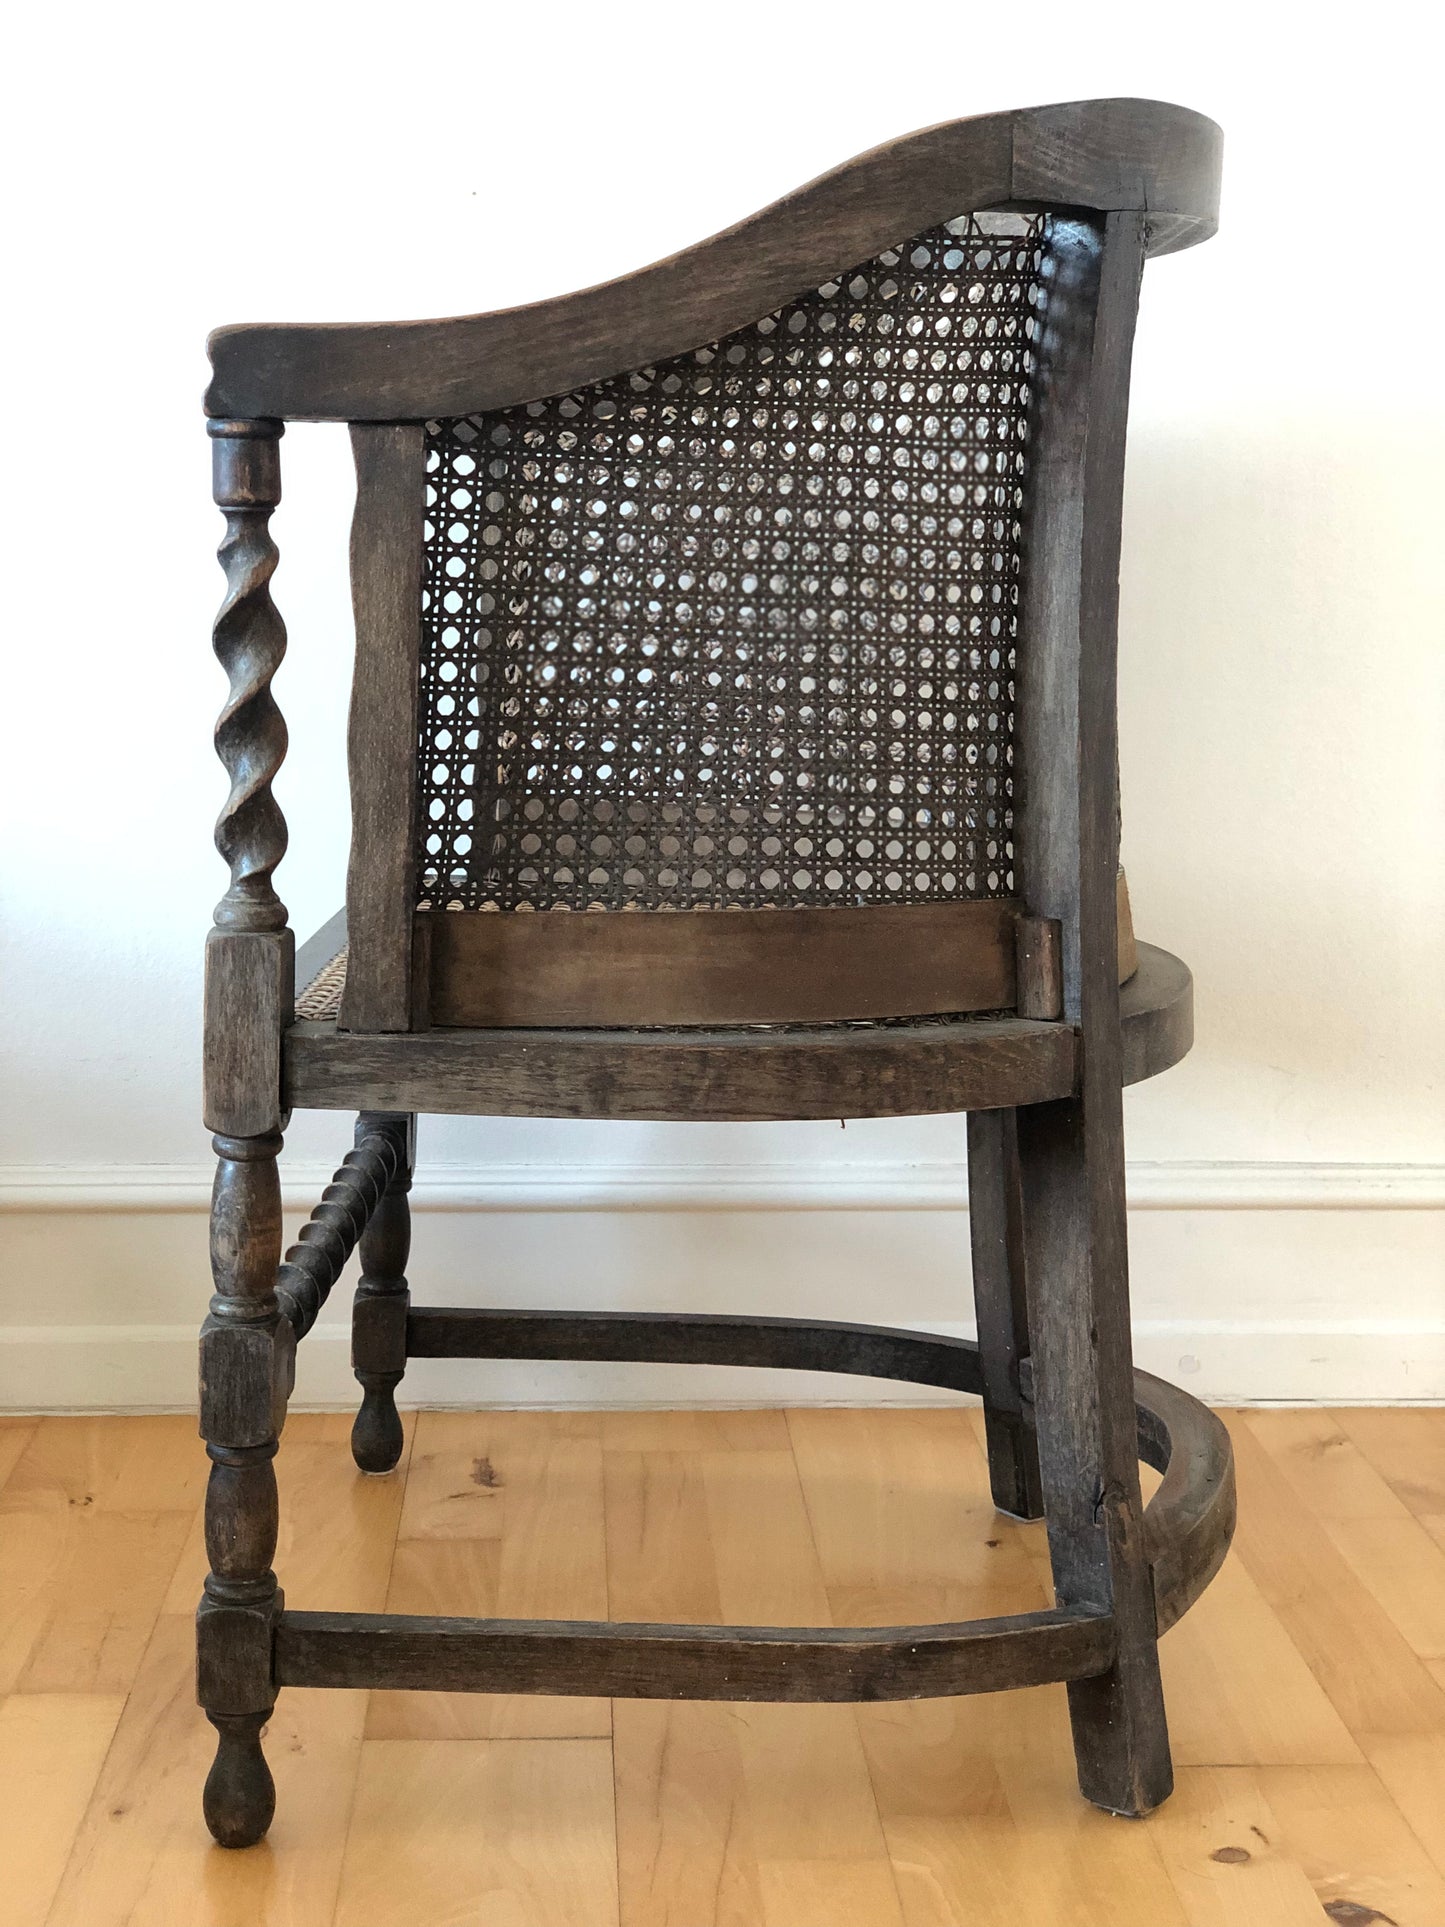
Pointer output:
1306, 1692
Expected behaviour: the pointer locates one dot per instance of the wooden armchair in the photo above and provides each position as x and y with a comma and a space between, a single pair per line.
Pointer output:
732, 736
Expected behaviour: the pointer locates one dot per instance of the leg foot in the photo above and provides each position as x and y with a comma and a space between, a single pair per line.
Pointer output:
376, 1435
1071, 1155
240, 1795
1121, 1738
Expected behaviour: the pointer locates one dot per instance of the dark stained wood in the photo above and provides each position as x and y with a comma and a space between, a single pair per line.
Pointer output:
249, 639
1046, 1145
246, 1347
697, 1338
379, 1312
1099, 154
746, 1663
240, 1796
995, 1229
1071, 1153
1038, 971
329, 1236
243, 1379
553, 968
1156, 1012
516, 970
878, 1071
249, 983
250, 992
386, 568
833, 1071
1189, 1522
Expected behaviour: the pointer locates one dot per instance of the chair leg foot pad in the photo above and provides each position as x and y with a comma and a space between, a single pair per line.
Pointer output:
240, 1795
377, 1438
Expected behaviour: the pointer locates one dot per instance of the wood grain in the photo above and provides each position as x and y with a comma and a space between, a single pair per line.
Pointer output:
386, 570
1071, 1153
141, 1857
455, 1830
88, 1544
1100, 154
1389, 1550
725, 1816
51, 1749
1000, 1297
500, 1519
719, 966
977, 1064
741, 1075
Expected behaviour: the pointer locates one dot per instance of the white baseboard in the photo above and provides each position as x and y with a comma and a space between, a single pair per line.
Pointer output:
1252, 1283
877, 1185
151, 1368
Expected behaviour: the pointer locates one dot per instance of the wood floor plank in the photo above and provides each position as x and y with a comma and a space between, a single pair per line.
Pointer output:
747, 1429
1222, 1846
900, 1512
959, 1855
764, 1559
659, 1542
789, 1835
93, 1518
481, 1833
79, 1594
1403, 1567
977, 1798
1071, 1862
814, 1822
1307, 1704
1406, 1444
467, 1576
143, 1464
1237, 1688
1362, 1859
1377, 1685
685, 1852
51, 1750
1386, 1546
142, 1856
1389, 1699
1411, 1768
503, 1516
15, 1436
1324, 1465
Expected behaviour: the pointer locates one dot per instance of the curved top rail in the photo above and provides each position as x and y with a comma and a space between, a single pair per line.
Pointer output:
1096, 155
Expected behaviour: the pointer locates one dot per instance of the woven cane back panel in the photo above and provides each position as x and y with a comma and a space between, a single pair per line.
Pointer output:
739, 630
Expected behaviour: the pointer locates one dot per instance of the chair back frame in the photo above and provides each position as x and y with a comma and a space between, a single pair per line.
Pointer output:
1122, 179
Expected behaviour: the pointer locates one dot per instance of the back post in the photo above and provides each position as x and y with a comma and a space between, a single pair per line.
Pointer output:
1071, 1151
247, 1347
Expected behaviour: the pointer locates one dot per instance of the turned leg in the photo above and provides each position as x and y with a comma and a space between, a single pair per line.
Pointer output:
245, 1374
378, 1327
247, 1346
996, 1234
1072, 1164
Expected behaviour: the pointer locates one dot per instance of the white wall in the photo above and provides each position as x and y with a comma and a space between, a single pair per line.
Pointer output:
174, 167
